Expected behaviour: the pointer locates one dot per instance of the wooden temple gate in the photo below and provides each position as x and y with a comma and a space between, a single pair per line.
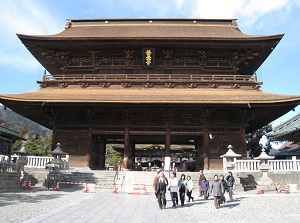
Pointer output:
157, 81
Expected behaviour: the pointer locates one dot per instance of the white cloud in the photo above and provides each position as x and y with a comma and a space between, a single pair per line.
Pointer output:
18, 60
25, 17
250, 12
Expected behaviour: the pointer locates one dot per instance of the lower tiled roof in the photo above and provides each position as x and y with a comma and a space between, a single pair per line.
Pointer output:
149, 95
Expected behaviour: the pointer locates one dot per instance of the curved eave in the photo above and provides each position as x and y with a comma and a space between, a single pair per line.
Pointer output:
55, 38
152, 96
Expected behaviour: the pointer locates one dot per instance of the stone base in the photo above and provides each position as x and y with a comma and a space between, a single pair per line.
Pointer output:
264, 188
10, 181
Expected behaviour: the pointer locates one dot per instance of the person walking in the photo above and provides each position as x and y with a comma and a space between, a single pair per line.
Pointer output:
182, 187
160, 190
205, 188
155, 178
223, 200
201, 177
189, 188
217, 190
230, 182
173, 187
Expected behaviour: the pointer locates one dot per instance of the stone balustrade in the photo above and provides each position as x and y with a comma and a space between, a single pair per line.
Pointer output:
275, 165
34, 161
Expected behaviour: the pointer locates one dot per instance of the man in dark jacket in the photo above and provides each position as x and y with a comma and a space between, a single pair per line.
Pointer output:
160, 190
230, 182
223, 200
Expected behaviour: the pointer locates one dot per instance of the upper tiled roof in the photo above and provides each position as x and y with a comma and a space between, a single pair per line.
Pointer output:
152, 29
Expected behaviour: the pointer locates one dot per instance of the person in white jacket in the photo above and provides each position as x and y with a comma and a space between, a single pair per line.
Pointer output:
189, 188
173, 188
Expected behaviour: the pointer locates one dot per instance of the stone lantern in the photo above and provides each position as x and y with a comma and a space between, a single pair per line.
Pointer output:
229, 159
22, 159
57, 152
265, 181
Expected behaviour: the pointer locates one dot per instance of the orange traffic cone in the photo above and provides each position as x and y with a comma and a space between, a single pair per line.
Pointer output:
258, 191
278, 188
86, 188
286, 190
57, 187
24, 185
29, 185
115, 189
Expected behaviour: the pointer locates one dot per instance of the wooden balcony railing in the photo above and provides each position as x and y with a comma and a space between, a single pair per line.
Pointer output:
149, 80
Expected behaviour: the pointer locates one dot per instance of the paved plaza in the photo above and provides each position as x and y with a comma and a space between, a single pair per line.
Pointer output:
105, 206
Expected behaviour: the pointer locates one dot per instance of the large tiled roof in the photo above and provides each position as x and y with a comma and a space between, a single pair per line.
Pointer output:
115, 94
175, 29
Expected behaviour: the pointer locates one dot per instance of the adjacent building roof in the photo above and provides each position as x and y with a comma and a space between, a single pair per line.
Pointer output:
9, 133
293, 151
288, 130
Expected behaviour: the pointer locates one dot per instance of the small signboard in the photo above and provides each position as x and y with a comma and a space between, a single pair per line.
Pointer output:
148, 58
129, 181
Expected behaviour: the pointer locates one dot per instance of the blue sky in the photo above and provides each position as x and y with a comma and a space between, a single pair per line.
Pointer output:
19, 71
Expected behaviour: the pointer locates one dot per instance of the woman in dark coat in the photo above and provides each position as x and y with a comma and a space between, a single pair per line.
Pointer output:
201, 177
161, 189
182, 187
217, 190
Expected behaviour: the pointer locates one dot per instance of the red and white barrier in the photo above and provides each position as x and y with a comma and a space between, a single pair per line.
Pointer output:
140, 191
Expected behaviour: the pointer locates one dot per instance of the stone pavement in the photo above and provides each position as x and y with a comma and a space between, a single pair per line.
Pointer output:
105, 206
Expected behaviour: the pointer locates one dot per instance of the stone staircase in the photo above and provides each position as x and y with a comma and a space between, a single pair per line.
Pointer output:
95, 178
100, 179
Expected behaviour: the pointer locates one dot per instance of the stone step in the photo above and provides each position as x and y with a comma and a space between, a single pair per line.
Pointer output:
101, 179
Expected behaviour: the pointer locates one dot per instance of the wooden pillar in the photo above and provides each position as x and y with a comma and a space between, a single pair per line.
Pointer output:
101, 154
205, 147
126, 148
243, 143
131, 164
89, 148
54, 136
168, 142
168, 149
198, 160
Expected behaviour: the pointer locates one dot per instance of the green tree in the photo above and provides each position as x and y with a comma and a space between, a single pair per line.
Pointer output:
36, 148
252, 140
113, 157
17, 145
